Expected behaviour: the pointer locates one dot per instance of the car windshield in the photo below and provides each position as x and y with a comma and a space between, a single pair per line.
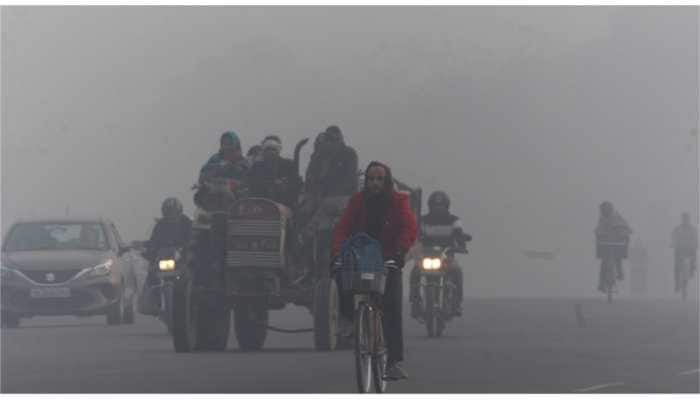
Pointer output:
56, 236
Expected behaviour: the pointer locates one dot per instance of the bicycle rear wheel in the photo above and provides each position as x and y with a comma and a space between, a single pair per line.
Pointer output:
609, 278
363, 344
685, 277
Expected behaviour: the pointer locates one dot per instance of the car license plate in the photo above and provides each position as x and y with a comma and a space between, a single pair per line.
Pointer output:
367, 276
50, 293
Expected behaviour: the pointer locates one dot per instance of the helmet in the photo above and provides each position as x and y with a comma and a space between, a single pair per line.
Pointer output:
171, 207
438, 198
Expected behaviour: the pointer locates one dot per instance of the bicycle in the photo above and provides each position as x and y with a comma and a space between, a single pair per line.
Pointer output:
370, 351
684, 276
609, 253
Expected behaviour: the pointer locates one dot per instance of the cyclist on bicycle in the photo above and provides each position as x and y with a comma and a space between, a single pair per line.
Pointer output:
385, 215
612, 228
684, 241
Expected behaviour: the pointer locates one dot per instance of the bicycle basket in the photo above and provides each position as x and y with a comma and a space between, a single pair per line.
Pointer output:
362, 263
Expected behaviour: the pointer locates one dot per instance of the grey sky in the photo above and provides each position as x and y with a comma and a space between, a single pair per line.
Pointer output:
528, 117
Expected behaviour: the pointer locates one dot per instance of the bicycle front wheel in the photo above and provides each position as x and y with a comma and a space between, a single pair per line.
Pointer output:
379, 355
363, 348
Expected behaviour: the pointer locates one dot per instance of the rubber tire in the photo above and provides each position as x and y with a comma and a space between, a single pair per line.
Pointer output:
115, 313
184, 317
214, 328
609, 275
439, 325
322, 257
128, 315
379, 361
168, 317
685, 273
684, 291
325, 312
430, 317
250, 325
361, 330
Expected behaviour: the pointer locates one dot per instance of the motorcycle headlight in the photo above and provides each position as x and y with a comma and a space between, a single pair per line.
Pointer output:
431, 263
99, 270
166, 265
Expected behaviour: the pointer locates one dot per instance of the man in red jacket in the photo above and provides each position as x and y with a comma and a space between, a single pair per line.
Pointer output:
385, 215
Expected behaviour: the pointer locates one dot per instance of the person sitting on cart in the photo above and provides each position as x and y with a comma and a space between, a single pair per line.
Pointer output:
275, 177
228, 162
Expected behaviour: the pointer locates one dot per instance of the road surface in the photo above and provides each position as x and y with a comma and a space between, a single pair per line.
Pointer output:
503, 345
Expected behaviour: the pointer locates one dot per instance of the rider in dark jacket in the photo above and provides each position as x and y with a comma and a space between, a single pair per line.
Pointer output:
332, 170
228, 162
439, 228
274, 177
172, 230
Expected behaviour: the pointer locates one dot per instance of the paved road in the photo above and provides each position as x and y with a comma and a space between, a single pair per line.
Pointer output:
501, 345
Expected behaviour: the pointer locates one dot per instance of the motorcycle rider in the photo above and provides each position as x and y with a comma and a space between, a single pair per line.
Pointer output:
611, 228
275, 177
684, 241
172, 230
385, 215
439, 228
228, 162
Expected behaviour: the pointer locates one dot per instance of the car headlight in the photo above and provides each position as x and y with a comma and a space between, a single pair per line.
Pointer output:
99, 270
166, 265
432, 263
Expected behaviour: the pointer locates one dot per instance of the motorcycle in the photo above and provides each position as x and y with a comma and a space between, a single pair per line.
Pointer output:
167, 259
438, 292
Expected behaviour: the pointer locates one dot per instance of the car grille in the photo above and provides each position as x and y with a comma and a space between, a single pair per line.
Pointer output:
78, 299
58, 276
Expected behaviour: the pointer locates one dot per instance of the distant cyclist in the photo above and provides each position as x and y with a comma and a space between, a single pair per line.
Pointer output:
684, 241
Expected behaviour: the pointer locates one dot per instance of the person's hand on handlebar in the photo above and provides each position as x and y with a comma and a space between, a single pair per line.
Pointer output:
397, 261
336, 265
